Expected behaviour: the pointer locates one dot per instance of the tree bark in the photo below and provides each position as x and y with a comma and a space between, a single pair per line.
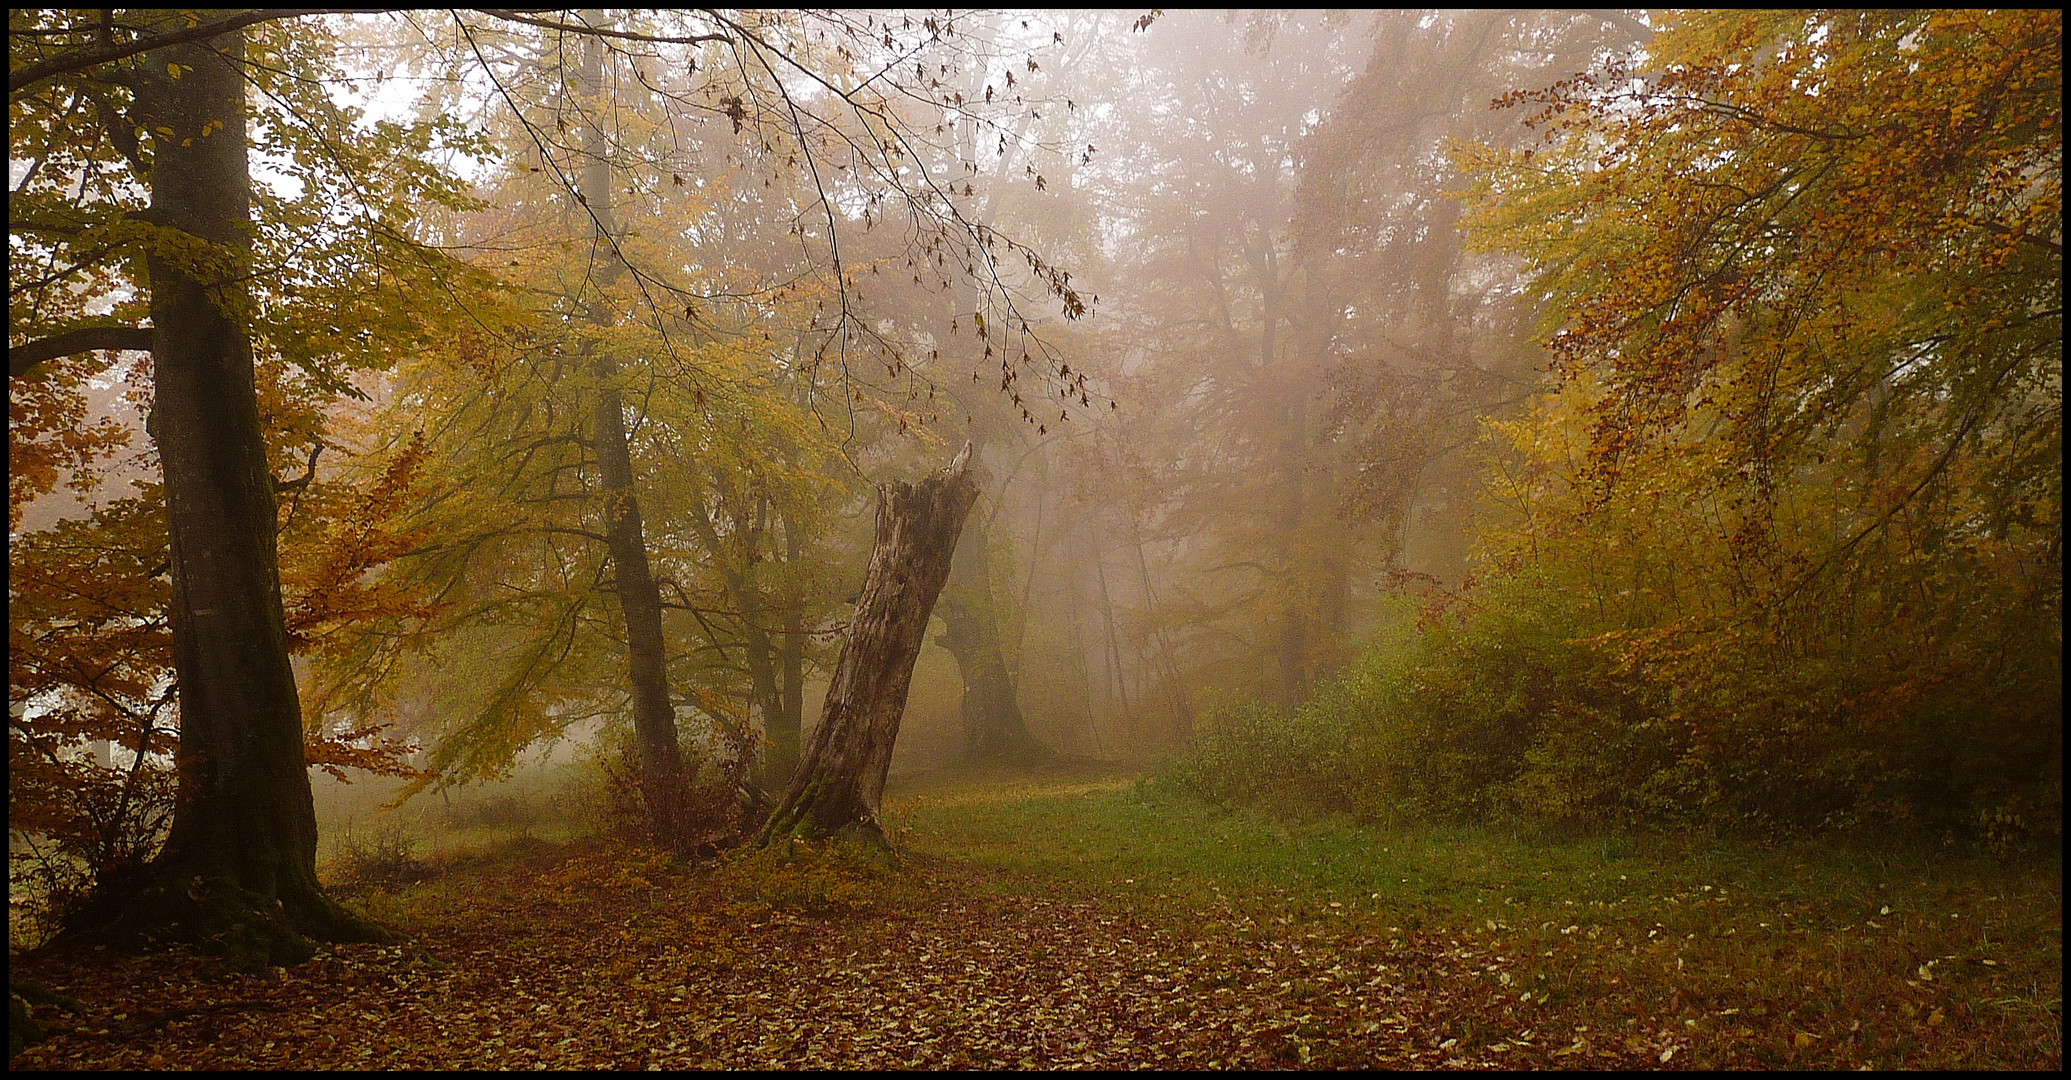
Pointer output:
238, 871
840, 784
663, 785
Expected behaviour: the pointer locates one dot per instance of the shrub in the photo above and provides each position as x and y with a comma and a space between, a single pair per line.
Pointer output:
717, 765
1514, 703
72, 824
384, 858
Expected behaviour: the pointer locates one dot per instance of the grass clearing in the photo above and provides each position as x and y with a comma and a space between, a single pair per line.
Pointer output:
1729, 955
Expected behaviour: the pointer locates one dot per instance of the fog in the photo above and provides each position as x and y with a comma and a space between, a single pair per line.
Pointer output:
1180, 509
1280, 355
669, 538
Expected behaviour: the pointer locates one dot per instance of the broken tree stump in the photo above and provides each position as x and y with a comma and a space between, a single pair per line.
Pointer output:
841, 781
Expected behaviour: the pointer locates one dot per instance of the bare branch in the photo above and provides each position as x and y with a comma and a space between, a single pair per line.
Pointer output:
1640, 31
578, 28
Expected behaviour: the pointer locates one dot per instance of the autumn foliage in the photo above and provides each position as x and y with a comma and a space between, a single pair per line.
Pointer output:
95, 724
1779, 545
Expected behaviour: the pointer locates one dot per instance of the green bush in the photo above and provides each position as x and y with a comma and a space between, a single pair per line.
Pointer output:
1517, 706
1494, 714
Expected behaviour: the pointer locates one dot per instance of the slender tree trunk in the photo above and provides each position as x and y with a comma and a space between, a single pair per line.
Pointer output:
840, 784
763, 659
1035, 554
786, 727
662, 783
663, 786
238, 871
1293, 637
1114, 645
1182, 709
761, 654
1078, 656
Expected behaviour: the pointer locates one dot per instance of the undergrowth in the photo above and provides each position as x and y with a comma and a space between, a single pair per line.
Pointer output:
1516, 704
838, 877
383, 856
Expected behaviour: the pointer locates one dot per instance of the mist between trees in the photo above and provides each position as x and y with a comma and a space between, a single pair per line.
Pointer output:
1587, 418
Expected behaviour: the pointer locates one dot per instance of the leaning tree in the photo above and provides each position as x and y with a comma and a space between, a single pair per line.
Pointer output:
840, 783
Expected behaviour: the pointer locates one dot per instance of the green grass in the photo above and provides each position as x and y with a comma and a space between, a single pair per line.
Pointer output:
1801, 955
552, 802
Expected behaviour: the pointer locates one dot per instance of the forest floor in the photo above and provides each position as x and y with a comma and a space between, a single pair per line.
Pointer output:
1079, 920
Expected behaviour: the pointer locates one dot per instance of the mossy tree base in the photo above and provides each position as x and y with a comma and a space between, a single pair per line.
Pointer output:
824, 811
169, 905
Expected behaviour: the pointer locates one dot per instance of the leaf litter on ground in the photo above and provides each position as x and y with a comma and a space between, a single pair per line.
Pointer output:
593, 956
577, 962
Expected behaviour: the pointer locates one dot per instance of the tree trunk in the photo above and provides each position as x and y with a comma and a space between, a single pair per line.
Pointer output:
1114, 644
1294, 586
994, 730
1078, 657
762, 660
761, 655
238, 871
663, 786
1182, 709
785, 728
841, 782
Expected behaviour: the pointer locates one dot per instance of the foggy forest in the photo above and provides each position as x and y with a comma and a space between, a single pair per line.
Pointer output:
716, 538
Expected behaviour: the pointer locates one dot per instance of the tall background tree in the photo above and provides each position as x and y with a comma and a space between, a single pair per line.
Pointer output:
1805, 284
1774, 543
248, 368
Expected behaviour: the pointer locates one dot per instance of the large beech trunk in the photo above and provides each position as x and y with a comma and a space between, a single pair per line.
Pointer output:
841, 781
238, 871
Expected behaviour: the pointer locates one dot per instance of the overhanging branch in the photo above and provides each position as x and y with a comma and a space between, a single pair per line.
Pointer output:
74, 60
21, 358
595, 31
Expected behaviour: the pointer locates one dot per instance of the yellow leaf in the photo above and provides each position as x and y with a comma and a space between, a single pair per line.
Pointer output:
1802, 1040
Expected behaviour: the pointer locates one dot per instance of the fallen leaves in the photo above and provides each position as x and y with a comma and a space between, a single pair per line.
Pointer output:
600, 960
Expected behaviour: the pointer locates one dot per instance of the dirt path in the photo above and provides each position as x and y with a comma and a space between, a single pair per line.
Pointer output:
601, 959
